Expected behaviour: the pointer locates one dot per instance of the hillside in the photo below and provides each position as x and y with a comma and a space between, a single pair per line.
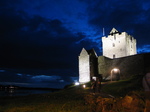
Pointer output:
79, 99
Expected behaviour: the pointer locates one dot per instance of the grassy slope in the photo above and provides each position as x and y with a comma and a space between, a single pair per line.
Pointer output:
122, 87
67, 100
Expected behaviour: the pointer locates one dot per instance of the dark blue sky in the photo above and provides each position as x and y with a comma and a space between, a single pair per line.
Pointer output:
40, 40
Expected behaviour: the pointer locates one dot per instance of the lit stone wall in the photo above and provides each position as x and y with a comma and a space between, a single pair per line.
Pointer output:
84, 67
130, 45
128, 66
118, 45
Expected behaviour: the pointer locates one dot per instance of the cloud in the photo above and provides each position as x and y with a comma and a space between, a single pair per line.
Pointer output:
41, 40
144, 49
75, 79
38, 41
44, 78
2, 70
33, 79
129, 16
9, 76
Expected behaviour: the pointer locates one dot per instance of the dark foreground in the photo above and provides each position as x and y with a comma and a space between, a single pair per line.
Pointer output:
125, 97
75, 99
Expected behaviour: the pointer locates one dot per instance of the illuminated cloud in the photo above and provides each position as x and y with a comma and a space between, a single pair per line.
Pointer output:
144, 49
75, 79
45, 78
2, 70
19, 74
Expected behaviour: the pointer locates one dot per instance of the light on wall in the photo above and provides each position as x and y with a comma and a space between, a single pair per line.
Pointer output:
84, 77
77, 83
114, 71
84, 86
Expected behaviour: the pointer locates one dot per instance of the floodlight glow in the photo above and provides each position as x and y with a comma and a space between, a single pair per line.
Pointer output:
77, 83
84, 86
115, 69
94, 78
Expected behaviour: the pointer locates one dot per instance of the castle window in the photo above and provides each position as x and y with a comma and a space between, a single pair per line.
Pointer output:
114, 56
114, 37
113, 45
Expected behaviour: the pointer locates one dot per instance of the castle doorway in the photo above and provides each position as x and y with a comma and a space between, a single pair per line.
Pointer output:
115, 74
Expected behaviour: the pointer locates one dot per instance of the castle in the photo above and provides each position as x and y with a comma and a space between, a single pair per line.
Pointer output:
119, 61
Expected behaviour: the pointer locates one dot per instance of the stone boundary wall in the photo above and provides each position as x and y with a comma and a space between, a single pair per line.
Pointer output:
128, 66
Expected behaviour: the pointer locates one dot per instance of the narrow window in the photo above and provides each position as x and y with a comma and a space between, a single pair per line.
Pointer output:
114, 37
113, 45
114, 56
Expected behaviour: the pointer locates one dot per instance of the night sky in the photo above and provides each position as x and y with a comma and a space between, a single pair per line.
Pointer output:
40, 40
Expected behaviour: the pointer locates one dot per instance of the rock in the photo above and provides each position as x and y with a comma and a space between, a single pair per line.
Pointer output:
133, 103
147, 106
147, 101
130, 103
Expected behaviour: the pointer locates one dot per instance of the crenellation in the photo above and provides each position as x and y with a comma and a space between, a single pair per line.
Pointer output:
116, 41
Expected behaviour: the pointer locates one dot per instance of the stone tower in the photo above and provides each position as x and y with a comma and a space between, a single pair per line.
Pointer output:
118, 44
87, 65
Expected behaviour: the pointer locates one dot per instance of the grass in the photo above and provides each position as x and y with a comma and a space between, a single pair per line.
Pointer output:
68, 100
71, 99
123, 87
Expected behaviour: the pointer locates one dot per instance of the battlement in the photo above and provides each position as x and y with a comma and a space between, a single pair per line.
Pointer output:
118, 44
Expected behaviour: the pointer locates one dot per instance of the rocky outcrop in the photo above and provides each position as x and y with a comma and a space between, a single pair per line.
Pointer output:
130, 103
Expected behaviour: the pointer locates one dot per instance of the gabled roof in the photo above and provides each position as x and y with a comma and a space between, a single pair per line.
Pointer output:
92, 51
113, 31
88, 52
83, 52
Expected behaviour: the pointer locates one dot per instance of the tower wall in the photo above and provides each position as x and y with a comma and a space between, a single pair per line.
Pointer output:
84, 67
130, 45
118, 45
